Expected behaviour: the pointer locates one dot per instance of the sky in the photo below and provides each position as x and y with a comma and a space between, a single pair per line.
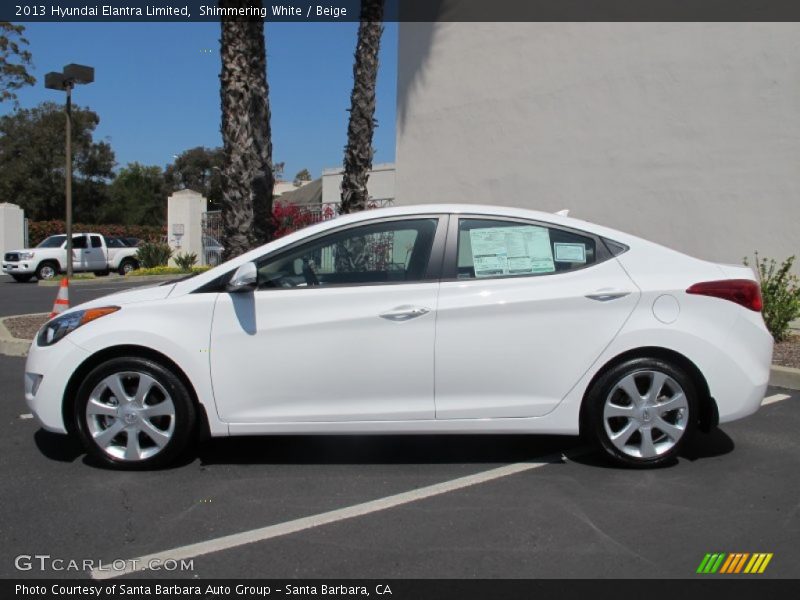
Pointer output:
156, 87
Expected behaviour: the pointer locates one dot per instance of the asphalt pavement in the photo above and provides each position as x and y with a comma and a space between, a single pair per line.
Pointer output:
735, 490
23, 298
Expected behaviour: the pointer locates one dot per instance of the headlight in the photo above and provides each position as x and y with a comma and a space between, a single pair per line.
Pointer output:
60, 326
26, 255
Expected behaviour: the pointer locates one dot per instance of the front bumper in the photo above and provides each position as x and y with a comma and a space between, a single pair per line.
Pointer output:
18, 268
47, 373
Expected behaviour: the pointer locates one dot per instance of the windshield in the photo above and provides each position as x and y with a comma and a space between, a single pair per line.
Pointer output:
54, 241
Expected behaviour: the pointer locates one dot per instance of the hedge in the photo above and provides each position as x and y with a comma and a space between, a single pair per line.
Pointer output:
39, 230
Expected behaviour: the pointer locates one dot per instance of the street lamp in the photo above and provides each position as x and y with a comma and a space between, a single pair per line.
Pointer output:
71, 76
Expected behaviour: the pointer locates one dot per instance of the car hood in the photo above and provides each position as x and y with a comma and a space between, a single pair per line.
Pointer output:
143, 294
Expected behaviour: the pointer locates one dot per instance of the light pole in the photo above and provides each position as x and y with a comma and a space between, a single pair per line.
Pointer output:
71, 75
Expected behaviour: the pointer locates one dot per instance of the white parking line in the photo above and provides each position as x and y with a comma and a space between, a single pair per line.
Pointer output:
774, 398
358, 510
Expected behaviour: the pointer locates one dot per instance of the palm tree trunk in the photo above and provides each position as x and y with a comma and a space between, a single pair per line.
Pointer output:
247, 177
358, 153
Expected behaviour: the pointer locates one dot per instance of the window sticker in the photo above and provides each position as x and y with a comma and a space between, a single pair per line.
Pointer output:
574, 253
523, 250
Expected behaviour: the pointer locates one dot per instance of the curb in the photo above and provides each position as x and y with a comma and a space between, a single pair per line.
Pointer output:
11, 346
785, 377
118, 280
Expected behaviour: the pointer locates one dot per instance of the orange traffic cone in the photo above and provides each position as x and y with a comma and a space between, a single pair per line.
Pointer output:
62, 300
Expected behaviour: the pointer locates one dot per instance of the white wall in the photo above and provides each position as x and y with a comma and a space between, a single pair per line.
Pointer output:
12, 224
381, 183
185, 210
687, 134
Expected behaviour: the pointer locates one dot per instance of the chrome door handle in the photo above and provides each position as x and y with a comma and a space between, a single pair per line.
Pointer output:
606, 296
404, 313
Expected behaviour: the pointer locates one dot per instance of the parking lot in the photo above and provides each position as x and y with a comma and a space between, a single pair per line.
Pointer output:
558, 511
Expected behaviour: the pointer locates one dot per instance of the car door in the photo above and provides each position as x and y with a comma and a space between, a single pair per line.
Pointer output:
80, 254
524, 310
95, 256
341, 328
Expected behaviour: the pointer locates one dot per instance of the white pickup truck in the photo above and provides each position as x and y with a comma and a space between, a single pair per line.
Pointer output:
90, 252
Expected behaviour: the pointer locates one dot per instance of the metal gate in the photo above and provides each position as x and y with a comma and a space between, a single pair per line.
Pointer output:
212, 232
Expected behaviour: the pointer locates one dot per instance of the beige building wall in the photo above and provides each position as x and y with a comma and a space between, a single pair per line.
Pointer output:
687, 134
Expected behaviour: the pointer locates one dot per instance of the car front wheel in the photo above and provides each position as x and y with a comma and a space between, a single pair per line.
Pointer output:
46, 271
642, 412
134, 413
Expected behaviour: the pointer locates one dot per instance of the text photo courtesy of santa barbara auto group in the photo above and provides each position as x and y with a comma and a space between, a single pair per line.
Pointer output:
399, 299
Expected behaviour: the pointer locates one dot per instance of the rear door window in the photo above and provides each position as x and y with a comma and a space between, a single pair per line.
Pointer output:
496, 248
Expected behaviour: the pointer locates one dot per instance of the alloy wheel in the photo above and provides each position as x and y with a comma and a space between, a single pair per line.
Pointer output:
130, 416
645, 414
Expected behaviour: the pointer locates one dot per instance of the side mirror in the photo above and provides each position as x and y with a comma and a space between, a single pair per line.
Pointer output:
244, 280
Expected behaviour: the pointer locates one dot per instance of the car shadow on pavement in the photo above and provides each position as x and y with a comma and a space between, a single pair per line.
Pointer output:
386, 449
704, 445
382, 449
58, 447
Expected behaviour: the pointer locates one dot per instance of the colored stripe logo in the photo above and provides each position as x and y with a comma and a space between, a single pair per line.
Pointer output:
734, 563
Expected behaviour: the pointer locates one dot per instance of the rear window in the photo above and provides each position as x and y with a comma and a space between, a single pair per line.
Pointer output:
494, 248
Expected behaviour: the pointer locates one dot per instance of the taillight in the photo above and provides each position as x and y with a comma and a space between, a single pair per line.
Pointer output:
742, 291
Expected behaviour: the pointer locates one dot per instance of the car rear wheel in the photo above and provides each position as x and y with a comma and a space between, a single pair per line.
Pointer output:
45, 271
133, 413
642, 412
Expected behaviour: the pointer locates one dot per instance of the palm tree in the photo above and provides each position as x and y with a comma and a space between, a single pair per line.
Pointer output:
247, 177
358, 153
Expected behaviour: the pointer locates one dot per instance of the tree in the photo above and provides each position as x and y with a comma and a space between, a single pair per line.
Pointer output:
277, 170
302, 175
137, 197
14, 61
32, 157
358, 153
247, 171
198, 169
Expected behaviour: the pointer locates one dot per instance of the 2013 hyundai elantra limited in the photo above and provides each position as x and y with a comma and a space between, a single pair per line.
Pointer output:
418, 319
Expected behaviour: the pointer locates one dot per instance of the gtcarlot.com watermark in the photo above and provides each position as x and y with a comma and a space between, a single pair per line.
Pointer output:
46, 562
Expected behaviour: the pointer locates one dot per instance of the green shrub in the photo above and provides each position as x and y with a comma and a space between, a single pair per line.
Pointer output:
164, 270
153, 254
185, 261
780, 290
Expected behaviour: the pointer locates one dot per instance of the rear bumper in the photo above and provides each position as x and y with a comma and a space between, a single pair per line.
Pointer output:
740, 375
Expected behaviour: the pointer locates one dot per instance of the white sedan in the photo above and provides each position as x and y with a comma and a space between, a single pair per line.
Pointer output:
417, 319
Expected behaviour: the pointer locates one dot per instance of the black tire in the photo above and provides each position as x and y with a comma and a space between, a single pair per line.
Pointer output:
101, 273
127, 265
47, 270
645, 417
182, 428
22, 278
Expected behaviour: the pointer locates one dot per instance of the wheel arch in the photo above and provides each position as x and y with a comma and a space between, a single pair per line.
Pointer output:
52, 261
709, 414
128, 350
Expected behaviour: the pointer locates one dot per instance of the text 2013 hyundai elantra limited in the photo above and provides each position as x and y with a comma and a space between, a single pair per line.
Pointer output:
419, 319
